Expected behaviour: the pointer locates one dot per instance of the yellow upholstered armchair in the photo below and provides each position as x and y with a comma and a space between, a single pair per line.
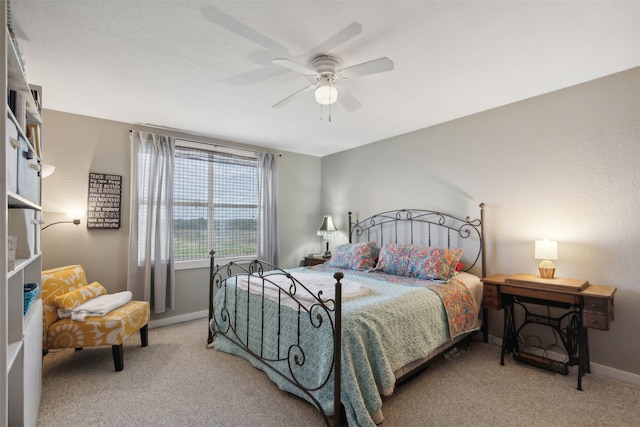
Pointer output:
67, 287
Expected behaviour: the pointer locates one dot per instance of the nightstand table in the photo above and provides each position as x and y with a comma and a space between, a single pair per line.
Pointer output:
588, 306
315, 260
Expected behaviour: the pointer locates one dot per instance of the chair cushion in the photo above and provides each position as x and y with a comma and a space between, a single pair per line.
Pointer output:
56, 282
112, 329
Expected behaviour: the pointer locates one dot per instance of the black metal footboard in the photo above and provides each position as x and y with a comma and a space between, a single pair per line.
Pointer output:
272, 317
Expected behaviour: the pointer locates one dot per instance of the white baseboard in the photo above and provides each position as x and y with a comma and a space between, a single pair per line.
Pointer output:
178, 319
596, 368
616, 374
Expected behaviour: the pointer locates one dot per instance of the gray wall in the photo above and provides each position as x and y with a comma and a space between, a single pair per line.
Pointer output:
563, 166
77, 145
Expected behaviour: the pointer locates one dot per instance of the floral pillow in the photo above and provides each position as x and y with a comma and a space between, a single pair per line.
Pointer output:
434, 263
72, 299
355, 256
394, 259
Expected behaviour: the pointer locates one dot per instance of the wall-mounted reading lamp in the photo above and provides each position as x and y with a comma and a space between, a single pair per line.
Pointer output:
75, 221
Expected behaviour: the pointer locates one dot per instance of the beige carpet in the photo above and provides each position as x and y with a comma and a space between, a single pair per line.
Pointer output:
177, 381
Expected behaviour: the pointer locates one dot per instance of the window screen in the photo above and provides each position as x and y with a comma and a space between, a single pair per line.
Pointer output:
215, 204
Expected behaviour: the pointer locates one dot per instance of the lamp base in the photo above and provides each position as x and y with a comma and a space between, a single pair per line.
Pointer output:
547, 273
547, 269
327, 254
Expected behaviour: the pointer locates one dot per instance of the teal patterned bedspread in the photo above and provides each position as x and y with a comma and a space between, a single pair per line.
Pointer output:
381, 333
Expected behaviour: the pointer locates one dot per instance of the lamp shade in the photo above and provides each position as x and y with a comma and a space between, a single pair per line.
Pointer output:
47, 170
546, 249
327, 229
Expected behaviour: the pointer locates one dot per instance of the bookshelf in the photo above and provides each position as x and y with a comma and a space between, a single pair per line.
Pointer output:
21, 331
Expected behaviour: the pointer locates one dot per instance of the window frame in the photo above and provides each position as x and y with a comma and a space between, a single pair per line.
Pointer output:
200, 145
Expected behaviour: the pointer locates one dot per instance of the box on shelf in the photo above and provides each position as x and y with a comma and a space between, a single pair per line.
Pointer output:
22, 224
32, 192
28, 173
21, 168
12, 243
12, 144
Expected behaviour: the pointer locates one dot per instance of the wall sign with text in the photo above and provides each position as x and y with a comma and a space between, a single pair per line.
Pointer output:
103, 206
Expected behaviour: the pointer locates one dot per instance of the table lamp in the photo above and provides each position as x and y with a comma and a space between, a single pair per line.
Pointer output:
546, 250
328, 231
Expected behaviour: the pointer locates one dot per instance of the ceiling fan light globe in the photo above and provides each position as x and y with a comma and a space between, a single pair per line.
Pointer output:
326, 95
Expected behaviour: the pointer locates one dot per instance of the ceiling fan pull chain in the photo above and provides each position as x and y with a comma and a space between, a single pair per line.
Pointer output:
331, 101
322, 109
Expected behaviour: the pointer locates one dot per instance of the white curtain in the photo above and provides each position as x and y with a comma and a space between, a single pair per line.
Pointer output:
268, 245
151, 274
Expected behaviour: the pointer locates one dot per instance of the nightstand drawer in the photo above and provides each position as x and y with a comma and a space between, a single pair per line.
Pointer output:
542, 295
491, 296
311, 260
597, 312
491, 302
490, 291
595, 305
595, 321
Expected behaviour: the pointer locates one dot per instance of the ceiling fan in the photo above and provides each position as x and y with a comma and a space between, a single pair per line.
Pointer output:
326, 76
323, 71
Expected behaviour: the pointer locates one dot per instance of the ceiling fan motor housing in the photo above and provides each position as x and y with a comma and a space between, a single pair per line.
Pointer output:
325, 65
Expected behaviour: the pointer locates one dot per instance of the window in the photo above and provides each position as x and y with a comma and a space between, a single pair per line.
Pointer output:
215, 202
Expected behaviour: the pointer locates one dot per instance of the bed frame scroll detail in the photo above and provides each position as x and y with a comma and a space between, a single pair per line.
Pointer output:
422, 226
320, 312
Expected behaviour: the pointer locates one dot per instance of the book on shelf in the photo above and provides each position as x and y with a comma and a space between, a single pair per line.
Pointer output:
36, 93
11, 100
18, 106
20, 111
34, 136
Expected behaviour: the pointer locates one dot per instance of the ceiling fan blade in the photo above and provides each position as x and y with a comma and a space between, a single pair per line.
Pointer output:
260, 57
348, 101
346, 34
293, 96
375, 66
218, 17
286, 63
254, 76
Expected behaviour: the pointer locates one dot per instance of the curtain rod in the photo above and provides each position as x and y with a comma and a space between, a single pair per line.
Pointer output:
199, 142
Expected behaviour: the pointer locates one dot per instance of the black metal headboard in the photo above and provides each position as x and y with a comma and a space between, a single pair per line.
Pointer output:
424, 227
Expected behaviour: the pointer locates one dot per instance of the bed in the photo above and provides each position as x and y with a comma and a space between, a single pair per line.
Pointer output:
341, 335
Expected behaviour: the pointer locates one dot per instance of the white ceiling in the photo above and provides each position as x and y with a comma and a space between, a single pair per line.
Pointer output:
187, 64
